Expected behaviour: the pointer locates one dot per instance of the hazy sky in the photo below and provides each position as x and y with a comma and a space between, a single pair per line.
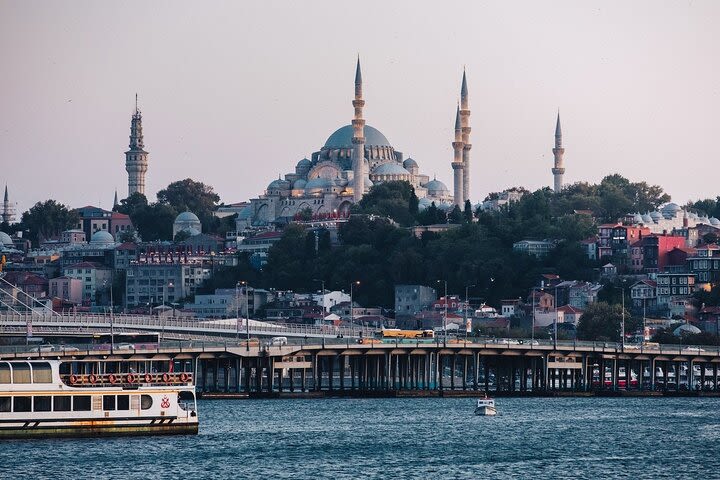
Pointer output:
234, 93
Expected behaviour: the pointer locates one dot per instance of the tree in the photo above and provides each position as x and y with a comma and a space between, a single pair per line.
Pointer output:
128, 235
395, 199
305, 214
468, 212
132, 204
47, 220
190, 195
431, 216
155, 222
456, 215
603, 322
181, 236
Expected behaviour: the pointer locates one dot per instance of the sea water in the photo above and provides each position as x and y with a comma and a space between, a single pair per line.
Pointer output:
402, 438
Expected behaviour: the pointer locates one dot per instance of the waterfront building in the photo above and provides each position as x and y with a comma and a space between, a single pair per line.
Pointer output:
644, 295
67, 289
674, 292
705, 264
96, 278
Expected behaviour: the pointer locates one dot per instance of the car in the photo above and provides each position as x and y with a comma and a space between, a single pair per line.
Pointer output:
278, 341
67, 348
124, 346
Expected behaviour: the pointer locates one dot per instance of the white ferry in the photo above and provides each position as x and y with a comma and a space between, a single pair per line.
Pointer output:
485, 406
92, 397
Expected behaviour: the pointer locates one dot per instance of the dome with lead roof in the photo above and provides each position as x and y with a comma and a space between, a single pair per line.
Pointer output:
342, 138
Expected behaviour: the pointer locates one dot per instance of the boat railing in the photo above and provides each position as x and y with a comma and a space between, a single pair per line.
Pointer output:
127, 379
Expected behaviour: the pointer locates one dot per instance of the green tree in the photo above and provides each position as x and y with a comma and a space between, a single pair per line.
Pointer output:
47, 220
132, 204
432, 215
456, 215
305, 214
468, 212
394, 199
128, 235
193, 196
155, 222
603, 322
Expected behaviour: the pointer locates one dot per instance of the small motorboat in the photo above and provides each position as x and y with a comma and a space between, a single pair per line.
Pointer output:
485, 406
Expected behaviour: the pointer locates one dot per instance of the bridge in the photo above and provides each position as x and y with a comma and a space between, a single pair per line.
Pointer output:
342, 366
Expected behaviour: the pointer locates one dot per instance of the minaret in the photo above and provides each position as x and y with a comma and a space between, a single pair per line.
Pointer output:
358, 139
465, 122
8, 212
115, 201
558, 170
136, 161
457, 163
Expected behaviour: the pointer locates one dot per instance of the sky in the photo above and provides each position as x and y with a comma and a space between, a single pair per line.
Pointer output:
235, 93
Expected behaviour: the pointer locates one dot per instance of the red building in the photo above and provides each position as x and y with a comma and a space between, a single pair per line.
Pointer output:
614, 240
656, 251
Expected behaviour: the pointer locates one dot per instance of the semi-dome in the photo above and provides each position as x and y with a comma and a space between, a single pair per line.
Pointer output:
342, 138
410, 163
304, 163
637, 218
299, 184
647, 218
656, 216
390, 168
424, 203
319, 183
101, 237
436, 187
714, 221
6, 240
368, 182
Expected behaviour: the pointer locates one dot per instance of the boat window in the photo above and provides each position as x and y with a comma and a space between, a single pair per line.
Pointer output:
4, 373
186, 400
21, 373
123, 402
5, 404
41, 404
22, 404
108, 402
61, 403
65, 368
146, 402
42, 372
81, 403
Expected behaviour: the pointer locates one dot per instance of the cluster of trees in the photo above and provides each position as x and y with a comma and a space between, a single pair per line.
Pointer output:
154, 221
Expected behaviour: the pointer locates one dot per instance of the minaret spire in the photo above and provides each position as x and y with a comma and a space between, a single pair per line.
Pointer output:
457, 163
8, 210
136, 161
558, 169
465, 122
358, 140
115, 200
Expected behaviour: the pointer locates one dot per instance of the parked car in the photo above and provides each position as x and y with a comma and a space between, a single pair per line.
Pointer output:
43, 348
278, 341
124, 346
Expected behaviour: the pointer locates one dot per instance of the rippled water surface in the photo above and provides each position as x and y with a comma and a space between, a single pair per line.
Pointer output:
402, 438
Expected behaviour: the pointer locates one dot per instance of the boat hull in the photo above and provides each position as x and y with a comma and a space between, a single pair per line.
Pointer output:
486, 411
96, 428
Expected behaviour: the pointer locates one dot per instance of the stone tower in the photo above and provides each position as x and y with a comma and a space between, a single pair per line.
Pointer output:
358, 139
8, 211
457, 164
558, 152
136, 159
465, 122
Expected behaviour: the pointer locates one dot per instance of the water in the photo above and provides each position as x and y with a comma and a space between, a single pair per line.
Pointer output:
402, 438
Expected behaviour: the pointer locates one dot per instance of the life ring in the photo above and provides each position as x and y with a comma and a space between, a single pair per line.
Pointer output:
130, 378
148, 378
112, 378
73, 379
92, 378
184, 377
166, 377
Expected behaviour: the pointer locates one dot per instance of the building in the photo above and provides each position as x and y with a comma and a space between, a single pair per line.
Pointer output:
412, 299
569, 314
674, 292
705, 264
96, 278
187, 222
644, 295
136, 158
34, 285
536, 248
671, 217
495, 201
329, 299
510, 308
589, 246
353, 158
94, 219
614, 240
67, 289
656, 249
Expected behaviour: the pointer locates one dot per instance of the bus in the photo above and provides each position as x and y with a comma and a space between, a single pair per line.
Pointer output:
409, 334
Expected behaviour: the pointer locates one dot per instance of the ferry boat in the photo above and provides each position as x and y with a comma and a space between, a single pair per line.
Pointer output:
94, 397
485, 406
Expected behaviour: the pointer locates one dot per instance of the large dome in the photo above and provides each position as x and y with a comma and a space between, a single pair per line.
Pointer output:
436, 187
342, 138
390, 168
187, 217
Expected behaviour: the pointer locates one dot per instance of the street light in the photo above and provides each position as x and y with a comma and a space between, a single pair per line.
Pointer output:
622, 325
532, 304
169, 284
237, 311
467, 287
247, 314
352, 313
445, 314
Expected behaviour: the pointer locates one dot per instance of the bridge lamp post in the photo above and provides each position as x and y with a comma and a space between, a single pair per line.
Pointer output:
532, 304
445, 314
467, 287
622, 325
247, 313
352, 311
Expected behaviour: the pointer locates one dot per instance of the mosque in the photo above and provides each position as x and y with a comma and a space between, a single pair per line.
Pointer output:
353, 159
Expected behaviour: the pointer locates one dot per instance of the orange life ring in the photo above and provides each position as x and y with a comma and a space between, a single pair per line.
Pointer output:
148, 378
130, 378
92, 378
184, 377
166, 377
112, 378
73, 379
